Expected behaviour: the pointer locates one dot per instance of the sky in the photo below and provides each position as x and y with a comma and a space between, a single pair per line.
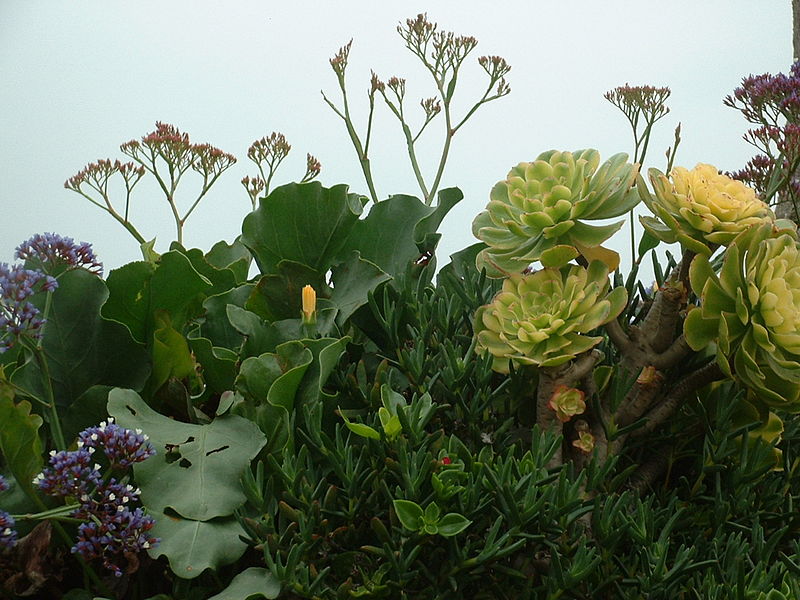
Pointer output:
77, 79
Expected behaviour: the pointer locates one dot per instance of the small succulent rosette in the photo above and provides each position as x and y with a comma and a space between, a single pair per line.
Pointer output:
751, 311
537, 213
542, 318
702, 208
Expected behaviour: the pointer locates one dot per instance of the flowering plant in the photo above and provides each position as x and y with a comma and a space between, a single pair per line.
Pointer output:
314, 411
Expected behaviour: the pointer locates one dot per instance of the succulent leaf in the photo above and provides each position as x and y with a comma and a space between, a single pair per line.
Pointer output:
751, 309
542, 318
701, 208
534, 213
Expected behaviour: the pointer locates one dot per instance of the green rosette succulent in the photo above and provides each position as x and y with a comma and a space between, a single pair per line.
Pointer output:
702, 208
537, 213
541, 318
751, 310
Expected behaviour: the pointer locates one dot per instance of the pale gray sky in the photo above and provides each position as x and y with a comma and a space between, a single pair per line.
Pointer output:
79, 78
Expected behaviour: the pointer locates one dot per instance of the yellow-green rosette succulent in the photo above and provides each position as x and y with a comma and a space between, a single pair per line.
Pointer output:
701, 208
537, 213
751, 310
541, 318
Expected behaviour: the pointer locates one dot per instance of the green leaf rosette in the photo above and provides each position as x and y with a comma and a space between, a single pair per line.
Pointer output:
751, 309
702, 208
541, 318
537, 213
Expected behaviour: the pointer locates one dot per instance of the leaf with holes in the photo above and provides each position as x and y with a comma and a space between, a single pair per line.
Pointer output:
194, 546
197, 468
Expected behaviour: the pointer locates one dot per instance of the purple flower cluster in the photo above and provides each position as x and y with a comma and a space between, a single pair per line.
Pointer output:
772, 102
113, 527
51, 249
8, 537
123, 447
18, 316
764, 99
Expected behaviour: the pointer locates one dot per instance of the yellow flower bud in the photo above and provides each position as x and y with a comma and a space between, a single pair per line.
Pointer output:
309, 304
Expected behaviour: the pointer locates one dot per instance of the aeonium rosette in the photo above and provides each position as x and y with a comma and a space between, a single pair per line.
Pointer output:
542, 318
751, 309
701, 208
537, 212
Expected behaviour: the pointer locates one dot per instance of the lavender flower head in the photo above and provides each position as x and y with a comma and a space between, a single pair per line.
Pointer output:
71, 473
114, 527
53, 250
123, 447
19, 316
8, 537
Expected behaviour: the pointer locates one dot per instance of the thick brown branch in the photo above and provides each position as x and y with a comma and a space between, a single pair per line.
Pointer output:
672, 355
693, 382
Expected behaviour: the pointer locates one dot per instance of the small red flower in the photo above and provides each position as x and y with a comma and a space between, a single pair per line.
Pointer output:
446, 460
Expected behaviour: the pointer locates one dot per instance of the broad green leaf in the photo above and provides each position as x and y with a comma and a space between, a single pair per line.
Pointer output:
390, 235
274, 377
199, 477
216, 325
81, 347
87, 410
221, 279
452, 524
353, 280
259, 337
278, 295
218, 364
647, 242
302, 222
191, 546
171, 355
138, 290
235, 257
19, 438
251, 583
409, 513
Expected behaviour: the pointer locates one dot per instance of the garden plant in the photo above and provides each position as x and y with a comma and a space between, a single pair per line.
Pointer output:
325, 409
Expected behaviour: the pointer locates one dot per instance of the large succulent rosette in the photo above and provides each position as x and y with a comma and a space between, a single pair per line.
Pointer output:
701, 208
751, 310
537, 213
542, 318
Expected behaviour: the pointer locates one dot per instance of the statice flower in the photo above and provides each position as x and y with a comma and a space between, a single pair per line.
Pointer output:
123, 447
71, 473
51, 250
114, 527
19, 316
8, 537
125, 532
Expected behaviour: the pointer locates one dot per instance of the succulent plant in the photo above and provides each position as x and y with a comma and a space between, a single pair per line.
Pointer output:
537, 212
541, 318
701, 208
751, 309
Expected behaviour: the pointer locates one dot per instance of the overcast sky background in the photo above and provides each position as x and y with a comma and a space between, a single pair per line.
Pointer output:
79, 78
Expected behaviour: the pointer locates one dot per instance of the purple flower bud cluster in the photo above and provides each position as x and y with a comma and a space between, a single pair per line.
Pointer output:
772, 102
18, 316
52, 249
113, 526
123, 447
8, 537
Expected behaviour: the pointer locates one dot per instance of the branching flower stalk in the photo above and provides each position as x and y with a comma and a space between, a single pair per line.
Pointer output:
268, 153
442, 54
643, 106
167, 154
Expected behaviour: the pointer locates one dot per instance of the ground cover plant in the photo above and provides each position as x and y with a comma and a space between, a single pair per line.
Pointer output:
317, 410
